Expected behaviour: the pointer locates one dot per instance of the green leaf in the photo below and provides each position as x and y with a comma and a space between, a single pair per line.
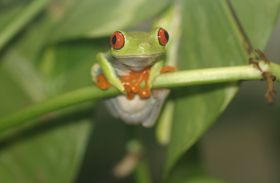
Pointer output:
10, 88
189, 170
56, 150
101, 17
50, 152
258, 18
66, 67
20, 15
53, 154
211, 38
8, 12
39, 70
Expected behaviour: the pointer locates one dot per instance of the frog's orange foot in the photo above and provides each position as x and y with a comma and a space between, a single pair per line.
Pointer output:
167, 68
128, 90
102, 82
145, 93
131, 90
136, 83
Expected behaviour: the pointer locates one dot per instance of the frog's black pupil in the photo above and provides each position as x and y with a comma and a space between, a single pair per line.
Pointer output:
114, 39
166, 35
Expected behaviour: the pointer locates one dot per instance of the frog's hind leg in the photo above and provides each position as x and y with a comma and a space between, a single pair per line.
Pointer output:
99, 78
160, 96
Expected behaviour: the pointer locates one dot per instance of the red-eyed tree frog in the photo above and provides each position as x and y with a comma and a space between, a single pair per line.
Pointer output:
133, 62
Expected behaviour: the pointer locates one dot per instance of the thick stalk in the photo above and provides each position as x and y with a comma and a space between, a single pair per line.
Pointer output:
169, 80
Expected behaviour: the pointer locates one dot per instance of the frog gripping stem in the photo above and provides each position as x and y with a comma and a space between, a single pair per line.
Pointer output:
132, 83
167, 68
102, 83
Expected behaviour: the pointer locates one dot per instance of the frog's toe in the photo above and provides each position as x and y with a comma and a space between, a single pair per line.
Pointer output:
102, 83
167, 68
146, 93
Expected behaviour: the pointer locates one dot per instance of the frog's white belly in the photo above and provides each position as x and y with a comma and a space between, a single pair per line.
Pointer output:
133, 111
135, 105
137, 110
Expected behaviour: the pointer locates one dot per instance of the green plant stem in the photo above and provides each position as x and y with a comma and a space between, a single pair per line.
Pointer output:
53, 104
168, 80
206, 76
143, 172
27, 14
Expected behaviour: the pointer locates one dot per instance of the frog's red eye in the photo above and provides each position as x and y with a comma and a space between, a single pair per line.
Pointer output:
163, 36
117, 40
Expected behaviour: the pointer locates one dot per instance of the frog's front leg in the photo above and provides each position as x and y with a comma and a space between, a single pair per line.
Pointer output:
154, 72
99, 78
157, 69
107, 73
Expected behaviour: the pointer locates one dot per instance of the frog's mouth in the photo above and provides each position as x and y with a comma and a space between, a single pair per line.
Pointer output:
138, 62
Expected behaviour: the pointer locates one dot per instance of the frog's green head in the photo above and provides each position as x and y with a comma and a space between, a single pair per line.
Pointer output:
138, 44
